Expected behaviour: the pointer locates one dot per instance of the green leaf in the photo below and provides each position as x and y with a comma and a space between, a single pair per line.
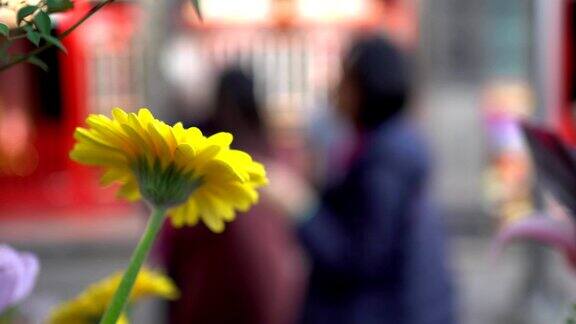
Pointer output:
59, 5
4, 30
4, 55
32, 35
25, 12
38, 62
196, 5
55, 41
43, 23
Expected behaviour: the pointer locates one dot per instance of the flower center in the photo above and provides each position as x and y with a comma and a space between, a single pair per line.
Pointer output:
164, 187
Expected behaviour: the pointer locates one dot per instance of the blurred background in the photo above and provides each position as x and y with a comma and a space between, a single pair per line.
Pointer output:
479, 65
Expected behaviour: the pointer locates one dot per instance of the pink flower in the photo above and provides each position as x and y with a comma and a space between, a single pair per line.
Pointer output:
555, 164
558, 232
18, 272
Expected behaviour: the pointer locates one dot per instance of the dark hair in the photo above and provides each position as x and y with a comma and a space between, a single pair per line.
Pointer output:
380, 74
237, 110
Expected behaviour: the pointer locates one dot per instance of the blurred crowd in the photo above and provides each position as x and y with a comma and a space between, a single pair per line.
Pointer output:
377, 120
362, 242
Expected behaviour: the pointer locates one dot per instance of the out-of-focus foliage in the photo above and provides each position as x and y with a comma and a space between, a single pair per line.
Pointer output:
196, 5
572, 318
33, 23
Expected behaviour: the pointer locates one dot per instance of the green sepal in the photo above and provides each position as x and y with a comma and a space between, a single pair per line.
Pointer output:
164, 187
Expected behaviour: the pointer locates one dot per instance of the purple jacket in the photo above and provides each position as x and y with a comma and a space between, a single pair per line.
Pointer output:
376, 244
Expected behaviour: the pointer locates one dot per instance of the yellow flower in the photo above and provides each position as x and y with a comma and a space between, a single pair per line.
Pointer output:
88, 307
194, 176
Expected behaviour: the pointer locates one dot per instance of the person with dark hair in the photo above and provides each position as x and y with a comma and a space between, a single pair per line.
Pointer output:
375, 243
236, 110
252, 272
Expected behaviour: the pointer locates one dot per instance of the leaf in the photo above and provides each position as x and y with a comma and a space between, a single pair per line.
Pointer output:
4, 56
32, 35
25, 12
4, 30
554, 163
196, 5
43, 23
38, 62
55, 41
59, 5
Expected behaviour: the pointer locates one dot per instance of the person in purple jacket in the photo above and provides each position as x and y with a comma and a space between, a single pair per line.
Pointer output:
375, 244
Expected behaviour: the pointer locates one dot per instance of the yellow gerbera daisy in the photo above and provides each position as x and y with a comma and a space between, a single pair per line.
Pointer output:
88, 307
172, 167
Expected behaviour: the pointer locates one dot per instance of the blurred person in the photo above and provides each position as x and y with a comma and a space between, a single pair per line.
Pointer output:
252, 272
375, 243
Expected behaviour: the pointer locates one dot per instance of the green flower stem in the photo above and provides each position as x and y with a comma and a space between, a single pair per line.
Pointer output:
120, 299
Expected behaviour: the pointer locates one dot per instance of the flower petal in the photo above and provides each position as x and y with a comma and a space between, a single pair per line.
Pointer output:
129, 191
559, 233
200, 177
27, 278
10, 265
220, 139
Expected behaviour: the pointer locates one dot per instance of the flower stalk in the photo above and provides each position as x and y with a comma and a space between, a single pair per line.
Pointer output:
180, 172
120, 299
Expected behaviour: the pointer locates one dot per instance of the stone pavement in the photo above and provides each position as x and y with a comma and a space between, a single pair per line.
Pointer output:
488, 289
